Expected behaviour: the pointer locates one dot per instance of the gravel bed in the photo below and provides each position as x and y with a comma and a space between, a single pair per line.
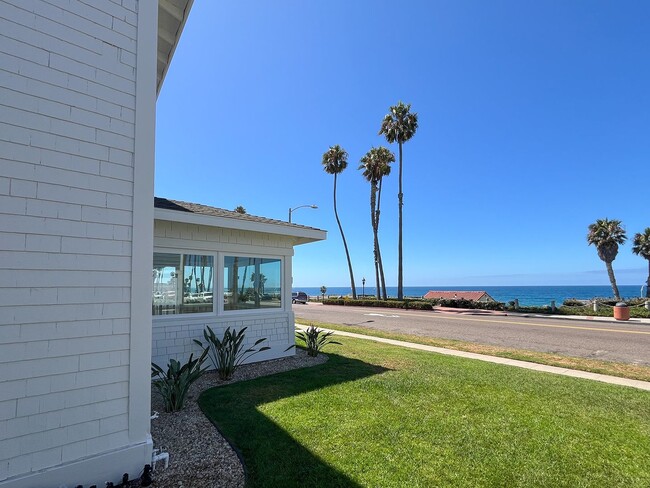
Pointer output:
199, 456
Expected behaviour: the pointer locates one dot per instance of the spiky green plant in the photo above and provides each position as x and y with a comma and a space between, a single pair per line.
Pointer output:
228, 354
174, 383
315, 339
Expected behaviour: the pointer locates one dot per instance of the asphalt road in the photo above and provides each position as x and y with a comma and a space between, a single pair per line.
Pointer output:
611, 341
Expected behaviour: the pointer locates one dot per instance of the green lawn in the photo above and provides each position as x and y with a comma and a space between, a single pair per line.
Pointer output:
381, 416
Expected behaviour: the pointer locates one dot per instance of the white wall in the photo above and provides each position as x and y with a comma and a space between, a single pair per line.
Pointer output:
173, 334
68, 97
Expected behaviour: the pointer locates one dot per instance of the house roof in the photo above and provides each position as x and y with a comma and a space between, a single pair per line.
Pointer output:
458, 295
172, 15
195, 213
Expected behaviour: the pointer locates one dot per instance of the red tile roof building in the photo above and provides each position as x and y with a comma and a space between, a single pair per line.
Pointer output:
477, 296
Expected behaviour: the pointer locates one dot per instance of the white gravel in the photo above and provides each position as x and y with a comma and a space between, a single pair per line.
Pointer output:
199, 456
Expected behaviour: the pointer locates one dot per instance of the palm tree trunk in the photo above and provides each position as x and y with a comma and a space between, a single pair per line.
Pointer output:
400, 284
612, 280
373, 213
379, 260
345, 245
647, 288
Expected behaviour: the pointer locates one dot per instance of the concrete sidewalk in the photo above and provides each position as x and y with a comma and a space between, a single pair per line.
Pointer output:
614, 380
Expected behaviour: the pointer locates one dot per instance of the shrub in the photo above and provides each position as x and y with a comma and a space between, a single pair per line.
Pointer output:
228, 354
315, 339
174, 383
417, 304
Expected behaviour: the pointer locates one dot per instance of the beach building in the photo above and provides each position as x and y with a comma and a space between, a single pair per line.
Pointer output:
203, 252
78, 88
476, 296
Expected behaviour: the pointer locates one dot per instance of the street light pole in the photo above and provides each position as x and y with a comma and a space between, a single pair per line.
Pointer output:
363, 287
291, 210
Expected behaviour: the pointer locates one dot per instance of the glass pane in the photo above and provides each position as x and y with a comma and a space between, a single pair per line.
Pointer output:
197, 284
189, 291
252, 283
166, 269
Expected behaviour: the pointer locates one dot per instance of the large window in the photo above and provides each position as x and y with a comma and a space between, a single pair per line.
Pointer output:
252, 283
182, 283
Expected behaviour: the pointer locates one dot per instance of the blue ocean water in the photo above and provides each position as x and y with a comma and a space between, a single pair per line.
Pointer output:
527, 295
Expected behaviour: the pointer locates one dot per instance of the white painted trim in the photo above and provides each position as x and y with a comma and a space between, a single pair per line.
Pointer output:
303, 235
95, 470
186, 13
165, 243
142, 230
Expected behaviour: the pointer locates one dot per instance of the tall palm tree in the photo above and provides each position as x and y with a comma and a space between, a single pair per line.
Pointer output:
606, 235
375, 165
641, 247
399, 125
335, 160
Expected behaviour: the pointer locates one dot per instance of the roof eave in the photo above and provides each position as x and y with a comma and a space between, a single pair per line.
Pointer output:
300, 235
164, 4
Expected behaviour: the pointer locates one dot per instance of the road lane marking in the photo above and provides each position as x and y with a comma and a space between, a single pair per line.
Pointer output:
381, 315
533, 324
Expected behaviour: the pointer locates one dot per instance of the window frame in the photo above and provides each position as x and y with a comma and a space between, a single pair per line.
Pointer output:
218, 288
250, 311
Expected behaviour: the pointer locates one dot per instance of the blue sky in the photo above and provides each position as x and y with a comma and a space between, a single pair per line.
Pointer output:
534, 120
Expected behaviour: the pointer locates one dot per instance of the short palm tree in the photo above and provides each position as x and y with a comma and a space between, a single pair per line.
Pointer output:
335, 160
399, 125
606, 235
375, 165
641, 247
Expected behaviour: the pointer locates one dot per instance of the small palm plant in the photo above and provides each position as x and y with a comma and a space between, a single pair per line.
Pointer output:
174, 383
641, 247
606, 235
228, 354
315, 339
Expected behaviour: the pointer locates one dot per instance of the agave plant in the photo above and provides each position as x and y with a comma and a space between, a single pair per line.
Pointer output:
315, 339
228, 354
174, 383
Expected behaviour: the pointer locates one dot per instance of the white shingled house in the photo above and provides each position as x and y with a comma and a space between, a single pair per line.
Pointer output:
78, 87
203, 252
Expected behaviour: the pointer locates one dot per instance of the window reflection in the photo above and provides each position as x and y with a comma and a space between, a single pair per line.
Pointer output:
252, 283
188, 292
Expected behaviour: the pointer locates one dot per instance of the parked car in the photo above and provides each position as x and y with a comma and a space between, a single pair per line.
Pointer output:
299, 297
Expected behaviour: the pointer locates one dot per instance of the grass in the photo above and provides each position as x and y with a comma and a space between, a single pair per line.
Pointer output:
623, 370
379, 415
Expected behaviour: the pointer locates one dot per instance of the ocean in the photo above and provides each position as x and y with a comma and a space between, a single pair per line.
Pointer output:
527, 295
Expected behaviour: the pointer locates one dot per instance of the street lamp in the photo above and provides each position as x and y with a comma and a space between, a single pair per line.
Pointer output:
300, 206
363, 287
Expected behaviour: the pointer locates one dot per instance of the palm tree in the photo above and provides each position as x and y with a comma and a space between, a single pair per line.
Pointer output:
375, 165
399, 125
606, 235
323, 290
335, 160
641, 247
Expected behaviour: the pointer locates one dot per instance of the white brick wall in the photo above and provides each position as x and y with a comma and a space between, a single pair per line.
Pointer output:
67, 126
